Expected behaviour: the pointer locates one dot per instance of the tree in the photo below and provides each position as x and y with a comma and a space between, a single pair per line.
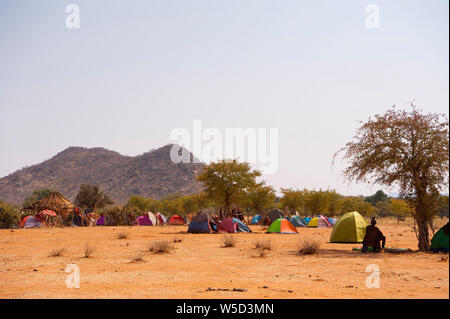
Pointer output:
37, 194
316, 202
227, 182
9, 215
261, 198
399, 207
408, 149
91, 197
379, 196
443, 206
292, 200
335, 202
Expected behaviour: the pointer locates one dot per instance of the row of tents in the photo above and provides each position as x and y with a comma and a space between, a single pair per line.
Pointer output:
316, 222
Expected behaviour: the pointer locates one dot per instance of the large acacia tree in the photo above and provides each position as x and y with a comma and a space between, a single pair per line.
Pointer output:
408, 149
227, 182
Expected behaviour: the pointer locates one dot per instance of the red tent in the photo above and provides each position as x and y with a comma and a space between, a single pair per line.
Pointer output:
176, 220
227, 226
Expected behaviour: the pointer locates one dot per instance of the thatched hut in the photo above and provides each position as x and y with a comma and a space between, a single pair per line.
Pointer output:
54, 201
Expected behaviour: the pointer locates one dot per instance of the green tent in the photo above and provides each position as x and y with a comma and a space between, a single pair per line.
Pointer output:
350, 228
440, 240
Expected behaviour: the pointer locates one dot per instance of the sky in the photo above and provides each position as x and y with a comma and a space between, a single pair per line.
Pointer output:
136, 70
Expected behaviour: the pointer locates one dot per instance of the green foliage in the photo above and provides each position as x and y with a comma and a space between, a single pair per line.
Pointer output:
260, 198
37, 194
379, 196
91, 197
116, 216
9, 215
227, 182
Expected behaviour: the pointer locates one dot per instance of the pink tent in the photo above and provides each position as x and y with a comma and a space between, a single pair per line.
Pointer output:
227, 226
144, 221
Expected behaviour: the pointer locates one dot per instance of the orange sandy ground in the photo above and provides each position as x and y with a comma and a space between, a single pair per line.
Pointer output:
199, 262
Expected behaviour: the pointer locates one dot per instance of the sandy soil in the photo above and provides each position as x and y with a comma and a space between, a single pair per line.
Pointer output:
199, 262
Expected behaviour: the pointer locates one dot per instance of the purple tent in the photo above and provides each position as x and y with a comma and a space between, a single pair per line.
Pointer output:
101, 221
144, 221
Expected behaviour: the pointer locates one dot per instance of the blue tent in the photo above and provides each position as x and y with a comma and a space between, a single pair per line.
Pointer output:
241, 227
306, 220
297, 221
255, 219
201, 223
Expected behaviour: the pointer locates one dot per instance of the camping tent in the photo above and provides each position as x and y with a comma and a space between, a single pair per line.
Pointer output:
297, 221
332, 221
306, 220
176, 220
161, 218
55, 202
350, 228
201, 223
319, 222
101, 221
144, 220
233, 225
282, 226
255, 219
31, 222
440, 240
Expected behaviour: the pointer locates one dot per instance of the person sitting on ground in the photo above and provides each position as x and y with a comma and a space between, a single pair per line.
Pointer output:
373, 238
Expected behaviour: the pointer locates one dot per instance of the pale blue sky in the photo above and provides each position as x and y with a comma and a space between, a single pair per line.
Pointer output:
135, 70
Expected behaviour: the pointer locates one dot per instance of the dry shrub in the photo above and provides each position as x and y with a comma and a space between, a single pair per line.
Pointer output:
262, 252
228, 241
138, 258
122, 235
160, 247
88, 250
263, 244
57, 252
308, 246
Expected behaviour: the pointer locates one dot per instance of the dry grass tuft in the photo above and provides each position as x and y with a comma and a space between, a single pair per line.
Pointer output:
57, 252
138, 258
88, 250
122, 235
308, 246
228, 241
160, 247
263, 244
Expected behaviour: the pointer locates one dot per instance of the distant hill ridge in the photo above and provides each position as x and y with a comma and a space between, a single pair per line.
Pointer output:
151, 174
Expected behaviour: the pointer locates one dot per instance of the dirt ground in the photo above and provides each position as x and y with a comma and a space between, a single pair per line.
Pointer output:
199, 262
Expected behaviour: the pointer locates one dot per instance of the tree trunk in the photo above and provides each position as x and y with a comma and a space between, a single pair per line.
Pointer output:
424, 235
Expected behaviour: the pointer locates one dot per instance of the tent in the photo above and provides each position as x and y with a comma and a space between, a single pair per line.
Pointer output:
176, 220
233, 225
440, 240
240, 226
161, 218
282, 226
101, 221
332, 221
319, 222
297, 221
306, 220
255, 219
201, 223
31, 222
147, 219
350, 228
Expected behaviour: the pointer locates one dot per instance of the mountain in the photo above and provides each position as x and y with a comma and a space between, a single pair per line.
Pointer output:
151, 174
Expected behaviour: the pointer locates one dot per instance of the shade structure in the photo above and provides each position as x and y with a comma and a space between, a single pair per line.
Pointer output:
350, 228
282, 226
47, 212
176, 220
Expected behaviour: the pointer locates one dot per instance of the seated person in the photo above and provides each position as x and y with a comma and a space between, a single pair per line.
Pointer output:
373, 238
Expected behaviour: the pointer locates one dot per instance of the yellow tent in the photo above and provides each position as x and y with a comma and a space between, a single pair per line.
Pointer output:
350, 228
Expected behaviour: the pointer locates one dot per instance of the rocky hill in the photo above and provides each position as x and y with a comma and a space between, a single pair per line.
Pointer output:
151, 174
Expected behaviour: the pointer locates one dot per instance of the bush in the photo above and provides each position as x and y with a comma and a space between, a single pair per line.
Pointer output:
308, 246
9, 216
88, 250
263, 244
228, 241
160, 247
115, 216
57, 252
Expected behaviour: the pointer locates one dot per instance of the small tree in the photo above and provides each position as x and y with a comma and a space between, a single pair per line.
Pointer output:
293, 200
9, 215
227, 182
91, 197
407, 149
261, 198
